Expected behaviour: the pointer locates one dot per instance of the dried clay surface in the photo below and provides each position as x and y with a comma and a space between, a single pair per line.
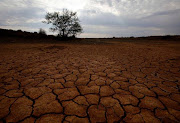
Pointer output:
90, 83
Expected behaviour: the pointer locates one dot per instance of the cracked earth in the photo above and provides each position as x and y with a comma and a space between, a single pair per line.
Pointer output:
122, 82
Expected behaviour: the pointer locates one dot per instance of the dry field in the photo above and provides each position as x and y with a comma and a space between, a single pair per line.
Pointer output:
114, 82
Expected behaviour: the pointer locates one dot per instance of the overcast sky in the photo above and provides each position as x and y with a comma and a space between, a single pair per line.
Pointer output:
99, 18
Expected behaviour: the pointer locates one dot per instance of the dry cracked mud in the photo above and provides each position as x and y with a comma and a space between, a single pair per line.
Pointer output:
118, 82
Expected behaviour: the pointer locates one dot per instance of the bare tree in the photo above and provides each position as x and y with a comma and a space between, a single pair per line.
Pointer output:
66, 23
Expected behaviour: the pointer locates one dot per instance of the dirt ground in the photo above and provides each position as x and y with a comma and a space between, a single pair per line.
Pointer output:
115, 82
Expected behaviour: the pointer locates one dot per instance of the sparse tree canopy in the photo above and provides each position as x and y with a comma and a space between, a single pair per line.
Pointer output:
66, 23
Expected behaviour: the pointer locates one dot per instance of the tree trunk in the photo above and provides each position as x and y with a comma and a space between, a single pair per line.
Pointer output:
63, 33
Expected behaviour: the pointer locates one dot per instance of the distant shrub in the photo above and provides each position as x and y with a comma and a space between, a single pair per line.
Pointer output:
42, 31
167, 37
19, 30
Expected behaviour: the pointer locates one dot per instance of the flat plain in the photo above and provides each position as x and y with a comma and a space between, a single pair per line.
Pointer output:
96, 82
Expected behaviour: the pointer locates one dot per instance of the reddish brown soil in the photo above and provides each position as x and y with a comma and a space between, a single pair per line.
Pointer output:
130, 82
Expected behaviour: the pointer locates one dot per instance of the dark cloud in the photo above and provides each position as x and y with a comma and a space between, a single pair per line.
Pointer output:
22, 15
159, 19
161, 13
